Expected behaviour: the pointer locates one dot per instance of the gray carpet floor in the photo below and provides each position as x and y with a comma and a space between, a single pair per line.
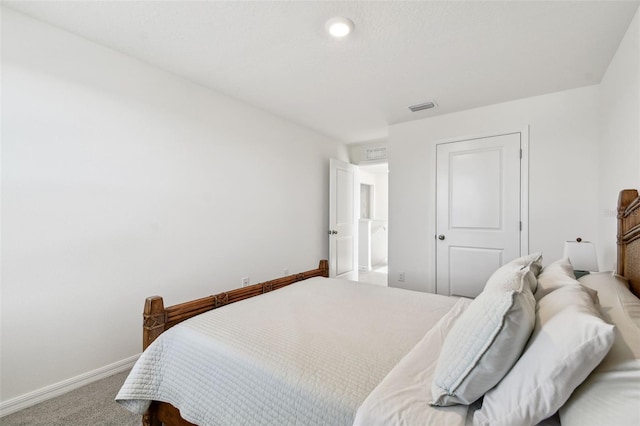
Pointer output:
87, 406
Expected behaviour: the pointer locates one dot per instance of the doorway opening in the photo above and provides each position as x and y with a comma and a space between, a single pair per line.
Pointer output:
373, 224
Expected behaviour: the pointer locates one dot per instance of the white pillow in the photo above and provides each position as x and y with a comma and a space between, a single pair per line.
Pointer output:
487, 339
507, 278
568, 342
611, 393
554, 276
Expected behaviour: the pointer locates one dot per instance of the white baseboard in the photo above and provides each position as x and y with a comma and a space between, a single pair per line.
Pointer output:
43, 394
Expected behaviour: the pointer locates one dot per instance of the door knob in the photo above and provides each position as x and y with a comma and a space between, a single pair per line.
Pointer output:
332, 232
441, 237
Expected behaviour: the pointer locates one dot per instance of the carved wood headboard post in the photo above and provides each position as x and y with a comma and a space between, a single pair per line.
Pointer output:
154, 319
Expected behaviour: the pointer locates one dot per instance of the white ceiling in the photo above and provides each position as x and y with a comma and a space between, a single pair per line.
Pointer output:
275, 54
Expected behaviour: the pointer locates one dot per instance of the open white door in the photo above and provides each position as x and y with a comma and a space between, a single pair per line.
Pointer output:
478, 223
343, 220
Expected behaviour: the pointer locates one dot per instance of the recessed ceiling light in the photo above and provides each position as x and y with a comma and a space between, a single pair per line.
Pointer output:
339, 26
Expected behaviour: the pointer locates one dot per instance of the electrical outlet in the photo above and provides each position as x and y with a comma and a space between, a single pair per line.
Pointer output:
245, 281
401, 277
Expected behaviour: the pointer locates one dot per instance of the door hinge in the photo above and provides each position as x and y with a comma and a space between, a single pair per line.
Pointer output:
521, 225
521, 154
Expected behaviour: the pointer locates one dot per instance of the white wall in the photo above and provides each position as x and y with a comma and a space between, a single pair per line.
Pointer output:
563, 176
619, 149
121, 181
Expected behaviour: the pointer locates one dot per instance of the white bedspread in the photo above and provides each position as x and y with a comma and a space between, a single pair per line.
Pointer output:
402, 398
309, 353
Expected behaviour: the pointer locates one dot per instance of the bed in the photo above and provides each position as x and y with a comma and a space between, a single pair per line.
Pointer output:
537, 346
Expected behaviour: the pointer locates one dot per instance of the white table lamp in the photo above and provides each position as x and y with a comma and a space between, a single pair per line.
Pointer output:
582, 255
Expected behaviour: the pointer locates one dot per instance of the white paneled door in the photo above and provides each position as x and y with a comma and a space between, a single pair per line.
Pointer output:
343, 220
478, 217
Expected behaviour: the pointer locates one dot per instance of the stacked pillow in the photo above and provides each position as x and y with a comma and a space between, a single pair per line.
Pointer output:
610, 395
559, 274
525, 354
489, 337
554, 276
569, 340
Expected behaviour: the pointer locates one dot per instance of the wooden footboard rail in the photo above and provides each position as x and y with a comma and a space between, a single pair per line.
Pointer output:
157, 318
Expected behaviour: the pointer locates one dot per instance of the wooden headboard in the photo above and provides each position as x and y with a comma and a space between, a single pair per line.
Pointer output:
629, 238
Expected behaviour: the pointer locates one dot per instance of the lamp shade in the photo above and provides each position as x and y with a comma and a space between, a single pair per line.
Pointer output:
582, 255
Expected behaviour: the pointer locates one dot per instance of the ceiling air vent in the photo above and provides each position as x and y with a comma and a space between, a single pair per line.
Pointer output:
420, 107
378, 153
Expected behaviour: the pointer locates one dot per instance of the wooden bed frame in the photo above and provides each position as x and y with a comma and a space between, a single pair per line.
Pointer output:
157, 318
629, 238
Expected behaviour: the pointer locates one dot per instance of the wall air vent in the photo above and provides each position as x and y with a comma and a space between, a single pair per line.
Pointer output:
377, 153
420, 107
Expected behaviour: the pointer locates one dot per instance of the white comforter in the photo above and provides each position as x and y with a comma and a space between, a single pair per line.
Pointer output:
309, 353
402, 398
